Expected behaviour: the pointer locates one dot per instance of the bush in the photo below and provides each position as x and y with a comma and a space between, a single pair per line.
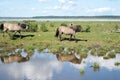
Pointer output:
51, 25
112, 55
116, 27
43, 27
33, 27
87, 29
63, 24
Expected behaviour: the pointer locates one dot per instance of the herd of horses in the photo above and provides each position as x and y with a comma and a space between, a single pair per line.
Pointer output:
17, 27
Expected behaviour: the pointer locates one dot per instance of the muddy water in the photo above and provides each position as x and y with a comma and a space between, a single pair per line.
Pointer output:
46, 66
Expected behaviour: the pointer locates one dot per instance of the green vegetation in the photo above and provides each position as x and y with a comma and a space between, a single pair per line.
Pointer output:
96, 66
41, 36
111, 55
105, 57
43, 27
117, 63
63, 24
82, 71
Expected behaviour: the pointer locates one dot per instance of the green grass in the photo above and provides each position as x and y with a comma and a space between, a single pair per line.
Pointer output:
100, 34
82, 71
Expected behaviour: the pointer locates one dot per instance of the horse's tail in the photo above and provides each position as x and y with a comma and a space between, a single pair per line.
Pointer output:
57, 33
1, 26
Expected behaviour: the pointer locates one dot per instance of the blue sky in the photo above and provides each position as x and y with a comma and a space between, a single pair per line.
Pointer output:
29, 8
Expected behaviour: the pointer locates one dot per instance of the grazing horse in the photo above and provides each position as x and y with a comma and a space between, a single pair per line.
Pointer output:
14, 58
68, 31
14, 27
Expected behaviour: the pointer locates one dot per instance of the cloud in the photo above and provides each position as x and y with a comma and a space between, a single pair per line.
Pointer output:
100, 10
67, 1
33, 8
43, 0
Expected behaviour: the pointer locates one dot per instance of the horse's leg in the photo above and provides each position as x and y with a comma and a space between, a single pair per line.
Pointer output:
75, 38
3, 34
70, 37
20, 34
60, 36
15, 32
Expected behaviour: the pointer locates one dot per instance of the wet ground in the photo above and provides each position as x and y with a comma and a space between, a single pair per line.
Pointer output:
48, 66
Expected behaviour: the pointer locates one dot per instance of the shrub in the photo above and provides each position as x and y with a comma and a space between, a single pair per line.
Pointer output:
116, 27
112, 55
33, 27
51, 25
87, 29
63, 24
43, 27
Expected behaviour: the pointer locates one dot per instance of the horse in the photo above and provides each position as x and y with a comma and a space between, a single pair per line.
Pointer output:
68, 31
14, 27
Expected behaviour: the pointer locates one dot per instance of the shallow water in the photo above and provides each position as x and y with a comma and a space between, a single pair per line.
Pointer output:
64, 19
46, 66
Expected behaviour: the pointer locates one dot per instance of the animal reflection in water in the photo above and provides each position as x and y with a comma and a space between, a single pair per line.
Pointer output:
14, 27
14, 58
68, 31
69, 58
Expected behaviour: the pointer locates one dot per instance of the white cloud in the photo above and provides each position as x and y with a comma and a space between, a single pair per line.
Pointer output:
43, 0
33, 8
67, 1
102, 9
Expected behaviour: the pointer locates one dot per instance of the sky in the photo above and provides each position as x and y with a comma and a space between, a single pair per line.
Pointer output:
30, 8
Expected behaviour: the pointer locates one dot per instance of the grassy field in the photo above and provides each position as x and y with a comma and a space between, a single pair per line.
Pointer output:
101, 38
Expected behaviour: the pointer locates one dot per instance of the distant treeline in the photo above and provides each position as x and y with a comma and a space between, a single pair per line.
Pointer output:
76, 17
115, 17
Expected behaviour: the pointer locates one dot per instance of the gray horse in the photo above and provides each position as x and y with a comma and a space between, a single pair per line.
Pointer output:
14, 27
68, 31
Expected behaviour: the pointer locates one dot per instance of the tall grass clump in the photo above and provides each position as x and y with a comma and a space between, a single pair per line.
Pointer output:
117, 63
116, 27
96, 66
87, 29
52, 25
82, 71
33, 27
63, 24
43, 27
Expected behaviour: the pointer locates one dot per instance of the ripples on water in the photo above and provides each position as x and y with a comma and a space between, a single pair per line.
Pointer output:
46, 66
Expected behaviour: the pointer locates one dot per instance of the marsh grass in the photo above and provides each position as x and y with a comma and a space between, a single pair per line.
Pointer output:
106, 57
112, 55
117, 63
100, 34
96, 66
82, 71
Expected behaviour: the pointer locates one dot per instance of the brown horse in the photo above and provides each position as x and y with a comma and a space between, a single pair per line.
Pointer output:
14, 27
68, 58
68, 31
14, 58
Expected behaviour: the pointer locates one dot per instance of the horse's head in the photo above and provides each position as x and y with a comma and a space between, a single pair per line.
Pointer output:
76, 28
24, 26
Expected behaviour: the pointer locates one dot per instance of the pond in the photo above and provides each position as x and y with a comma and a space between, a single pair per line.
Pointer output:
48, 66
